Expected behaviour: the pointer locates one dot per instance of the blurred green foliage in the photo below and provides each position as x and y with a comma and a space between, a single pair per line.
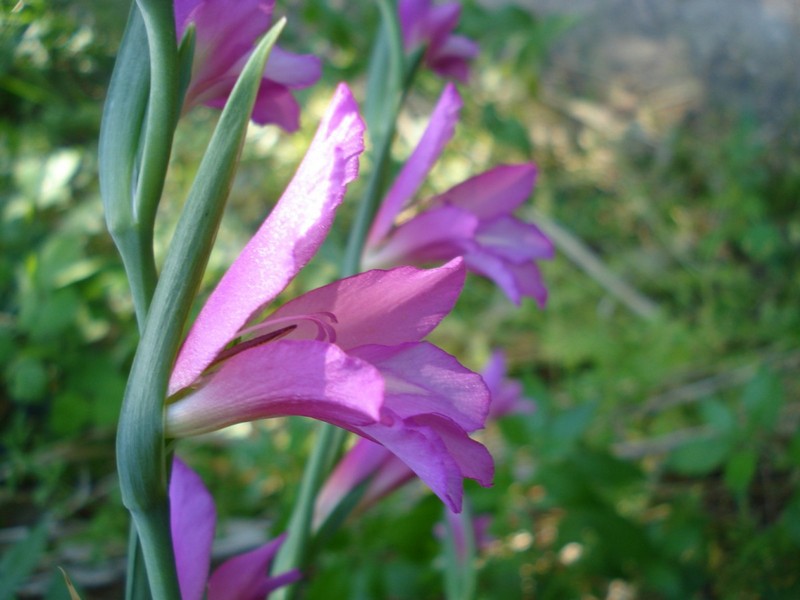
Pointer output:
662, 460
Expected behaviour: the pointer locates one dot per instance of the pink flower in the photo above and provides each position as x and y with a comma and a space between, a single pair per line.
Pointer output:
349, 353
474, 219
367, 461
424, 24
193, 518
226, 32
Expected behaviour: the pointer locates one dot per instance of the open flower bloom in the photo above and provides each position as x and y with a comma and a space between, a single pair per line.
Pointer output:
226, 33
474, 219
193, 518
349, 353
382, 473
424, 24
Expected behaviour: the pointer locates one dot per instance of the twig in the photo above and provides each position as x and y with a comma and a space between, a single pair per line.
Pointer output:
697, 390
662, 444
582, 256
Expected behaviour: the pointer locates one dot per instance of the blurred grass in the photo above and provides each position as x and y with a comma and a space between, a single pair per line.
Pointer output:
662, 460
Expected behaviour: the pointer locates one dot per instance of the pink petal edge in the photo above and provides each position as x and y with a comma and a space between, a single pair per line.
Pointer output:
439, 131
286, 241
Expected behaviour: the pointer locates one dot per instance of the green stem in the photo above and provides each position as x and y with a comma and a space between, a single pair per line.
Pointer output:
142, 460
153, 529
460, 576
351, 262
136, 585
293, 551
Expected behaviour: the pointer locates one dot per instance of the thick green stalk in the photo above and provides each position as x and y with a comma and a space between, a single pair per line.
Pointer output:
141, 455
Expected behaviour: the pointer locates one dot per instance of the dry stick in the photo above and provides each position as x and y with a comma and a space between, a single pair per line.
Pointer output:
661, 444
582, 256
697, 390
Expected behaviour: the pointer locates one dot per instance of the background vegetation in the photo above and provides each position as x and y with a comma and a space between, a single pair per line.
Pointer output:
662, 460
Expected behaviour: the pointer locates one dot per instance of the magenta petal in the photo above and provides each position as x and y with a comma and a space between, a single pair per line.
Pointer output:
439, 131
437, 450
192, 521
500, 271
421, 378
412, 14
277, 379
223, 37
245, 577
440, 21
515, 240
292, 70
276, 104
285, 242
472, 457
457, 47
393, 474
425, 454
493, 193
441, 233
452, 57
529, 282
380, 307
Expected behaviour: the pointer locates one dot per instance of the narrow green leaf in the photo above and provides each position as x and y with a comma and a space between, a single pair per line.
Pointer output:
73, 593
377, 89
119, 148
19, 562
384, 76
162, 108
185, 59
121, 125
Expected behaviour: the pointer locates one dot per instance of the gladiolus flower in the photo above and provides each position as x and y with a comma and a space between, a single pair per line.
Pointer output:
369, 461
425, 24
193, 518
349, 353
226, 33
474, 219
